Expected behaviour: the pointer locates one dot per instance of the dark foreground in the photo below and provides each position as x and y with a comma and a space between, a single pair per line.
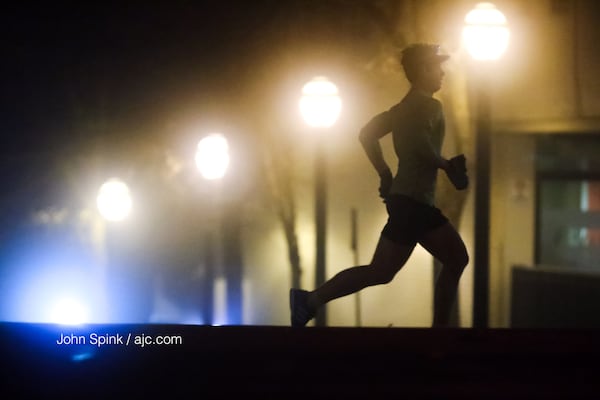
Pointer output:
279, 362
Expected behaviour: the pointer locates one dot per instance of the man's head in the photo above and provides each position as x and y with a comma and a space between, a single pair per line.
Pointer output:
422, 66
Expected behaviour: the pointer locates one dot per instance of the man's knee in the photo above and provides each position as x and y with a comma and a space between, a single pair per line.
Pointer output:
459, 263
381, 275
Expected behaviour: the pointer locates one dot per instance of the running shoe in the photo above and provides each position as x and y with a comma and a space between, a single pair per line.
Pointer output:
300, 311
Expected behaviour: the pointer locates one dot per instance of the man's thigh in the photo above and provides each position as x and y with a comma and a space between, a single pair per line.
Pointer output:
445, 244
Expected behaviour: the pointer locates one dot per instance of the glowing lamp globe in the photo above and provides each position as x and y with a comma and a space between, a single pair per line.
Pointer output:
69, 312
320, 104
212, 156
485, 34
114, 200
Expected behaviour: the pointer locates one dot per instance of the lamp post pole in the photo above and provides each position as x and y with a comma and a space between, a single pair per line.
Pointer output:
482, 204
320, 224
485, 36
320, 106
212, 160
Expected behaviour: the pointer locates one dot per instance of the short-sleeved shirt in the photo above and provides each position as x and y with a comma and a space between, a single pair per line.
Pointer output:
417, 126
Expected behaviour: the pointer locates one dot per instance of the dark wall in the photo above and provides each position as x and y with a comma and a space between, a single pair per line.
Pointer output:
547, 298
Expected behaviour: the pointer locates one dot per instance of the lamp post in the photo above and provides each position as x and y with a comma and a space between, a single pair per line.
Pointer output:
115, 203
485, 36
320, 106
212, 161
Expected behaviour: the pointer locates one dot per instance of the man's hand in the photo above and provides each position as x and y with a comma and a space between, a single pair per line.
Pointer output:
457, 172
385, 182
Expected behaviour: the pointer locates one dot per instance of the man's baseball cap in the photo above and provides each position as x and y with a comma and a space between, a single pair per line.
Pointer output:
421, 53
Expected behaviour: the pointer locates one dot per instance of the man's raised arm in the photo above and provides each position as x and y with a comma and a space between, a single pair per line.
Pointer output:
369, 137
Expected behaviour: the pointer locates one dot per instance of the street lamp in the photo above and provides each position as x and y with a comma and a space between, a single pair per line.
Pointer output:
69, 312
212, 159
320, 106
485, 36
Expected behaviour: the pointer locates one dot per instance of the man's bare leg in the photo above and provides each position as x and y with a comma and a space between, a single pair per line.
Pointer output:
388, 259
445, 244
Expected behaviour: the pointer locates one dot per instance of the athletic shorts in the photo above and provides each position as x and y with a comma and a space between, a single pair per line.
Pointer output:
409, 220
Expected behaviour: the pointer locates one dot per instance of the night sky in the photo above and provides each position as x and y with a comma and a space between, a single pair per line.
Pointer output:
114, 61
137, 62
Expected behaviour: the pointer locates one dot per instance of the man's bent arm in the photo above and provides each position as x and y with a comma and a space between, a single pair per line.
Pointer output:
369, 137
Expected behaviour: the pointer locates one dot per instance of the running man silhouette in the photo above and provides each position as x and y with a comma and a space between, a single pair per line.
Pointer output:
417, 126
